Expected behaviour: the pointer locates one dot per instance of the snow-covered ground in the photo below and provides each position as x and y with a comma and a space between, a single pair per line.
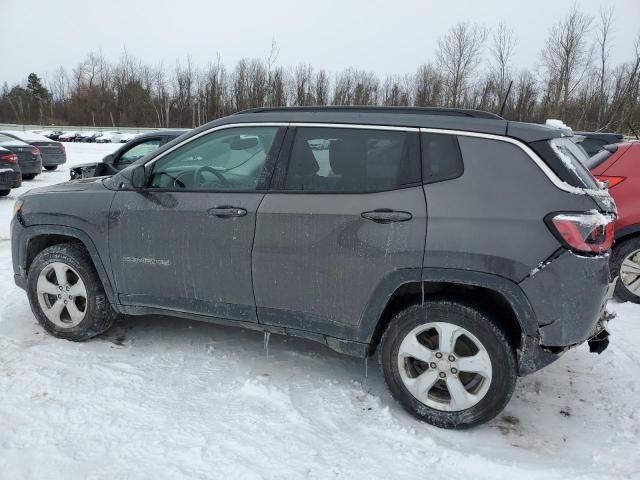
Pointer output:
167, 398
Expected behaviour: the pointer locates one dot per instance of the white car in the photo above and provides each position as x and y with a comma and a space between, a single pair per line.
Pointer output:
109, 137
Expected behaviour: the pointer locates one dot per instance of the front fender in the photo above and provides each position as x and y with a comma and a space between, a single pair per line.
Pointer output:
22, 236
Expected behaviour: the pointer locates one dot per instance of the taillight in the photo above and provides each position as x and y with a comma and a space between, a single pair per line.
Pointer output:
9, 157
584, 232
61, 147
611, 181
35, 151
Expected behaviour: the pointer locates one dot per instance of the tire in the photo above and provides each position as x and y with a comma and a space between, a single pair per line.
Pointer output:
4, 193
627, 250
28, 176
486, 394
50, 167
97, 315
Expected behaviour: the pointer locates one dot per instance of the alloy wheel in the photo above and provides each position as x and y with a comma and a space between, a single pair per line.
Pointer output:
62, 295
444, 366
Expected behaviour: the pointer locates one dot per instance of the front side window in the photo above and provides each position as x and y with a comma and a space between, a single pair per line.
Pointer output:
137, 152
352, 160
231, 159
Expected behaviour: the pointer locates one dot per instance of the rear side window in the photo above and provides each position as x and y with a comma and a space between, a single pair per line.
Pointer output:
441, 157
574, 159
352, 160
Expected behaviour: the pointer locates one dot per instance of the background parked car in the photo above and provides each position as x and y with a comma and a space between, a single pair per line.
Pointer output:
137, 148
109, 137
52, 152
619, 165
10, 176
68, 136
595, 141
87, 137
29, 158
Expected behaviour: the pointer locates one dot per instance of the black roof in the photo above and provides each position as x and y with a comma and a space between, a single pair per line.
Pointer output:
453, 112
415, 117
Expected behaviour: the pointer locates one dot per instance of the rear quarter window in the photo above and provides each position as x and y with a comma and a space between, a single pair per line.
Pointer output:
441, 157
574, 159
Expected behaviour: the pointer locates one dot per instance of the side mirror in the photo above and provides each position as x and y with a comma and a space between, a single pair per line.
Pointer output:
139, 177
108, 159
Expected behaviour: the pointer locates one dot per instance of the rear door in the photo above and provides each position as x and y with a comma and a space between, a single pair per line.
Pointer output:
343, 224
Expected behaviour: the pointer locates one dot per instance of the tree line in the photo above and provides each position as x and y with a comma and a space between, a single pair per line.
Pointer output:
573, 80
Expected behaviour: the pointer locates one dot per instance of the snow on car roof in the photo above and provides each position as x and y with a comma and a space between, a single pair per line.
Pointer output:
27, 136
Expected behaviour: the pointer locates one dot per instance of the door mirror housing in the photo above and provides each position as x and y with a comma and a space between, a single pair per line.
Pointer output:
108, 159
138, 177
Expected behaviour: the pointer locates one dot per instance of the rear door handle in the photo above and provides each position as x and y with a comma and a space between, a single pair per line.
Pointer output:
386, 215
226, 211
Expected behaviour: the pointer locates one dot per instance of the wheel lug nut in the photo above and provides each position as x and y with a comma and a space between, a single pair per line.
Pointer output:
438, 355
432, 365
452, 358
442, 374
454, 370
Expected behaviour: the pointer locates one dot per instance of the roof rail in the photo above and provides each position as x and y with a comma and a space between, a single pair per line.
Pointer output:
456, 112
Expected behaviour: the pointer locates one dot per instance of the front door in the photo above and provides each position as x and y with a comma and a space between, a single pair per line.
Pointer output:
184, 242
347, 218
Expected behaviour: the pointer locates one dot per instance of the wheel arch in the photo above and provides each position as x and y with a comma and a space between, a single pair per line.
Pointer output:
627, 232
35, 239
488, 292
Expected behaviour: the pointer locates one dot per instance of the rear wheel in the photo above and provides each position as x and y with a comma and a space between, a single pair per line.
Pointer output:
28, 176
448, 364
625, 264
50, 167
4, 193
66, 294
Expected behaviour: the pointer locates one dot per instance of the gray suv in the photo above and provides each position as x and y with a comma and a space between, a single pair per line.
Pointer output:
460, 248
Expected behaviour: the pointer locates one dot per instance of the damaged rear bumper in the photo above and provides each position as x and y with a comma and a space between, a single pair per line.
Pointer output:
569, 296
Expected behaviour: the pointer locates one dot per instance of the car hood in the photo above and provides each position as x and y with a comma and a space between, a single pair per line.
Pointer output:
81, 185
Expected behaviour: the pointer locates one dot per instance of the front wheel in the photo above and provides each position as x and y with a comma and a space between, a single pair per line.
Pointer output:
66, 294
448, 364
625, 264
50, 167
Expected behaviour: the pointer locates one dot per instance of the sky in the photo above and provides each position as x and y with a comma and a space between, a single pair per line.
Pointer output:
381, 36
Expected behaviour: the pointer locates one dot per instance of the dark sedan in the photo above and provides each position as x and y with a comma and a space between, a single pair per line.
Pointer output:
10, 176
127, 154
29, 158
52, 152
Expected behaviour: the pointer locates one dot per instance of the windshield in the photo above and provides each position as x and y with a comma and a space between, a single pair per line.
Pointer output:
575, 159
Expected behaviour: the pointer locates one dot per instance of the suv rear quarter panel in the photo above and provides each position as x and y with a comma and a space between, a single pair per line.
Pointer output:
491, 219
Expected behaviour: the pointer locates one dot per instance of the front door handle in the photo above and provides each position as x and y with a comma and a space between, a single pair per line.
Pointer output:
386, 215
226, 211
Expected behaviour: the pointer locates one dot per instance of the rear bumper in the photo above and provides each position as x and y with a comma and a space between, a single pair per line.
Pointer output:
9, 180
50, 160
28, 168
567, 295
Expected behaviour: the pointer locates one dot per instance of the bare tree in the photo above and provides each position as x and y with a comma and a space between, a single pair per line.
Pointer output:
566, 57
603, 40
459, 53
502, 50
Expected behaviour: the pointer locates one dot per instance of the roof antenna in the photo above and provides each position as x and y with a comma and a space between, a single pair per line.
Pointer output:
633, 130
504, 102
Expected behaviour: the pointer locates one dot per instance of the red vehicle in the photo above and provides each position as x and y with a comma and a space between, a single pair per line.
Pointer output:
619, 165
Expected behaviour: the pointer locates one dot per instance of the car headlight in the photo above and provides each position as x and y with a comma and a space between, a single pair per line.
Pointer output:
17, 207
